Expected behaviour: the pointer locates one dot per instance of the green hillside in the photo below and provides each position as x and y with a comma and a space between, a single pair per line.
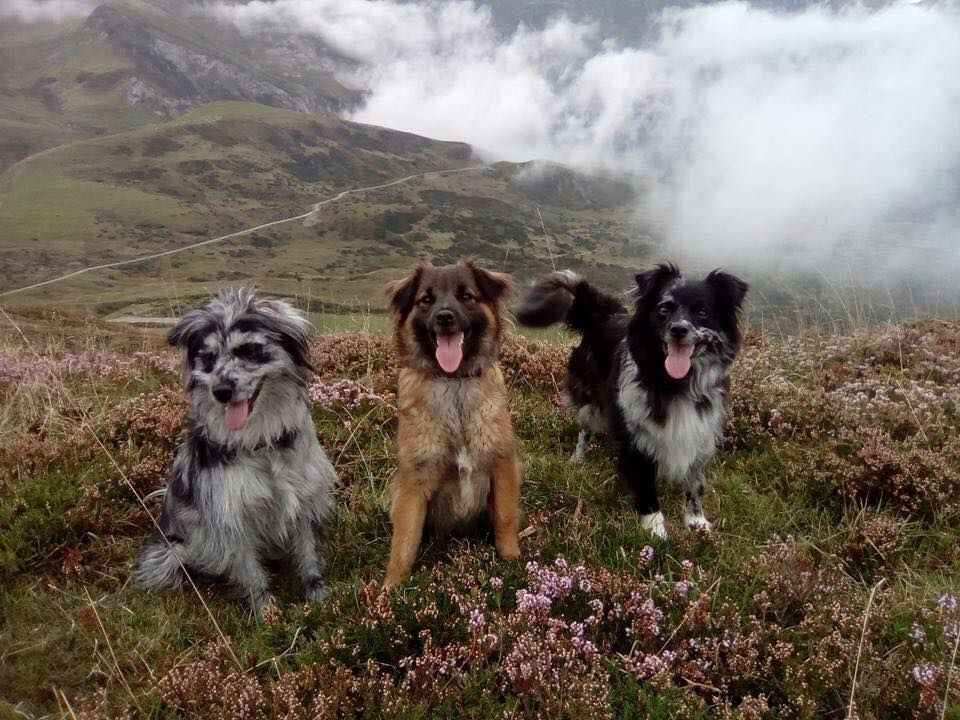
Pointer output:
131, 63
229, 166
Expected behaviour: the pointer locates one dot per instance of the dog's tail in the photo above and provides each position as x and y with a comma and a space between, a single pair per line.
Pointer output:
158, 565
566, 297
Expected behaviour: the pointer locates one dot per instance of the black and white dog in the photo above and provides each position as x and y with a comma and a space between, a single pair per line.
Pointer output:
656, 381
249, 482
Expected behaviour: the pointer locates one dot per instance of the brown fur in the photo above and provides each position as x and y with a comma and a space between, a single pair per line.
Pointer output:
456, 451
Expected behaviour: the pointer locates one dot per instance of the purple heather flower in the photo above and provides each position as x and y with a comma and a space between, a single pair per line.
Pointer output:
925, 673
917, 634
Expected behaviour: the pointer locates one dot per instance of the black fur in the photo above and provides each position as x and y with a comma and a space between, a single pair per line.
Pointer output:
620, 382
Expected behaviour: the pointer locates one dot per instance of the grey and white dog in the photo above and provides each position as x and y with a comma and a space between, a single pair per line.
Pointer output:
250, 482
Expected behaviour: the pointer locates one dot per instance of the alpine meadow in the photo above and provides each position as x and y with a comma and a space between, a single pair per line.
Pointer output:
308, 154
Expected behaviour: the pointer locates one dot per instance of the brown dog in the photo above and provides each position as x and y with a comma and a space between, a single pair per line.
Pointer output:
457, 454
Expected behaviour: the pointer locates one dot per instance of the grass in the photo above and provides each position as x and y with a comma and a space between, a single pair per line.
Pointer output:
231, 165
767, 617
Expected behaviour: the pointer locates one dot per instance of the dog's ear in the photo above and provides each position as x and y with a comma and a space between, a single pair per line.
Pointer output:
401, 293
728, 288
651, 282
191, 327
288, 326
286, 313
492, 285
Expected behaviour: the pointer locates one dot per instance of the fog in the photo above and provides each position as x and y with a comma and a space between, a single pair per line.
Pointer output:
820, 140
31, 11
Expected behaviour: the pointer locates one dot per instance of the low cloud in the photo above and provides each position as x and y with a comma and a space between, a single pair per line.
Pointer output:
32, 11
809, 141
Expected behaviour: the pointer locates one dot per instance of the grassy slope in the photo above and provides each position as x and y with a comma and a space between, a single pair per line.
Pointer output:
63, 81
228, 166
778, 620
233, 165
57, 87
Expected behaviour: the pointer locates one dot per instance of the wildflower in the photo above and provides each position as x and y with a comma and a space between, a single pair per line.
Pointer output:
646, 555
682, 588
533, 603
925, 673
917, 635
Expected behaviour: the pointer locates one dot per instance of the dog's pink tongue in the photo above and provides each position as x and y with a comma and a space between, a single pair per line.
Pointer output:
450, 351
237, 413
678, 360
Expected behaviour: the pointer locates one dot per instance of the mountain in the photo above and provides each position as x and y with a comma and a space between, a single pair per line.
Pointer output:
230, 165
130, 63
167, 69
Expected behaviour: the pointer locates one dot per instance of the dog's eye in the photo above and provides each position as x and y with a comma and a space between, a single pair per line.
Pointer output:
207, 360
426, 300
250, 352
664, 310
466, 296
703, 313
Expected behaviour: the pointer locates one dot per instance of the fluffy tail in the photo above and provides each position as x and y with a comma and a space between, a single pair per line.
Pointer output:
566, 297
157, 566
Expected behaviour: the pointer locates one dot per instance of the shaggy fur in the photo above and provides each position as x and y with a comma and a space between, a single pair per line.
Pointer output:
655, 381
250, 482
457, 454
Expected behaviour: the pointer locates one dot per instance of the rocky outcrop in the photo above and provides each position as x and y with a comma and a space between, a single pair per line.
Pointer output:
170, 74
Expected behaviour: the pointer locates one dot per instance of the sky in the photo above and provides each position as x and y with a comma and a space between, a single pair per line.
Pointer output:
40, 10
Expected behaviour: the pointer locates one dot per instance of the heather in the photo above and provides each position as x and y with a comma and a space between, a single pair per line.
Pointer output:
830, 588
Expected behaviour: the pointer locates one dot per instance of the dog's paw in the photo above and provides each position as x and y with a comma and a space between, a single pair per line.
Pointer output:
508, 549
655, 524
697, 521
393, 579
315, 591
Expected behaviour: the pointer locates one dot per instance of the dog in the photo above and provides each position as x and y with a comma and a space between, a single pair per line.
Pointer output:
457, 455
656, 381
249, 482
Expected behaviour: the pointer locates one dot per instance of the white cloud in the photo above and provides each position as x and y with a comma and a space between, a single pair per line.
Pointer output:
32, 11
774, 138
371, 31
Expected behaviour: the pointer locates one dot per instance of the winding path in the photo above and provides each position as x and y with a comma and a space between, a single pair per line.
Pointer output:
313, 209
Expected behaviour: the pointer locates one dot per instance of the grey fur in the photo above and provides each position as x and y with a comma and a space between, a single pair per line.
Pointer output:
236, 498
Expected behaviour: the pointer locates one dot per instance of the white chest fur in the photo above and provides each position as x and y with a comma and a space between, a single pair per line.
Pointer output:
687, 438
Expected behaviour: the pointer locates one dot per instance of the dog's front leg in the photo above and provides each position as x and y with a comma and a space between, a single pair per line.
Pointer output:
505, 488
308, 555
408, 513
695, 485
640, 473
246, 572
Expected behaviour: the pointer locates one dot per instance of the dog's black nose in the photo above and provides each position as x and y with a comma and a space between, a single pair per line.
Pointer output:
679, 331
223, 391
445, 318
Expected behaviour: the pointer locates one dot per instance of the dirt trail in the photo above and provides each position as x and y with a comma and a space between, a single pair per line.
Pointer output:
303, 216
